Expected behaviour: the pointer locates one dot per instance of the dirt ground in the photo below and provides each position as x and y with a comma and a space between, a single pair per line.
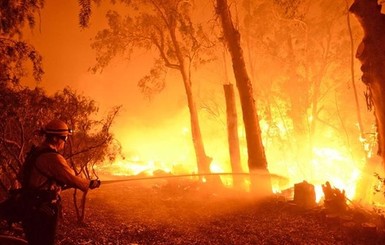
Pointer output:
185, 212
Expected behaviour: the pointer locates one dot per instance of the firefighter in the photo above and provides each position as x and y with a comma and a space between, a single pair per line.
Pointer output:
44, 175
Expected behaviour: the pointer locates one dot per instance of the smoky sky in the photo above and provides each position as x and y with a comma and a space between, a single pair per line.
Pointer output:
67, 56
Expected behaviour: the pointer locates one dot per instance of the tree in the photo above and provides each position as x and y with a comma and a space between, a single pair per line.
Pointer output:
300, 54
31, 108
14, 51
92, 142
371, 53
19, 123
232, 132
166, 28
257, 160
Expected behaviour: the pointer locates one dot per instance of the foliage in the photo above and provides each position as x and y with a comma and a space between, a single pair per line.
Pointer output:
290, 9
18, 125
31, 109
85, 12
92, 142
164, 27
308, 44
16, 13
154, 81
14, 51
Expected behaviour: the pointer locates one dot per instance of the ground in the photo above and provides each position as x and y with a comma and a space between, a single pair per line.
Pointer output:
187, 212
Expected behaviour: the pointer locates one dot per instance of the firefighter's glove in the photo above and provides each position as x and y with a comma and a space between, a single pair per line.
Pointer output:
94, 183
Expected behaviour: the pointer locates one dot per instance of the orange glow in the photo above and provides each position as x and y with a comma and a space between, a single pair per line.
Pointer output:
327, 163
155, 135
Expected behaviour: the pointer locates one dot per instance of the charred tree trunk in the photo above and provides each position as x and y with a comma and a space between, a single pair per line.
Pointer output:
232, 133
371, 53
256, 153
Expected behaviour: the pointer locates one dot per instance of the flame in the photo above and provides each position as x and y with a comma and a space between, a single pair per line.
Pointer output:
327, 164
327, 161
216, 167
343, 177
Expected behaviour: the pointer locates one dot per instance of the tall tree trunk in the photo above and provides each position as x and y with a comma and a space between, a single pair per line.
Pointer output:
232, 133
256, 153
371, 53
203, 161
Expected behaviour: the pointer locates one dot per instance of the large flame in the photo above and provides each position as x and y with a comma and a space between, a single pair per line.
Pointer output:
326, 162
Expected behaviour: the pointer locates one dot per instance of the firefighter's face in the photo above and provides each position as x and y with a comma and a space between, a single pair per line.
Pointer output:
61, 142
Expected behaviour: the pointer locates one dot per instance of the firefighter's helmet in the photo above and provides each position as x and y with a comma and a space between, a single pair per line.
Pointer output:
57, 127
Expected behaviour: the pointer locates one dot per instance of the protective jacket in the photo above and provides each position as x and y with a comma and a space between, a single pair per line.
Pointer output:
52, 172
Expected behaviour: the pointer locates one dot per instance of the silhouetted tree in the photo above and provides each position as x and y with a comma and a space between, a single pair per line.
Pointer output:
92, 142
23, 111
14, 51
165, 27
371, 53
257, 160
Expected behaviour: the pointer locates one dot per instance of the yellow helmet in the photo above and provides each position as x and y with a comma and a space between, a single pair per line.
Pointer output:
57, 127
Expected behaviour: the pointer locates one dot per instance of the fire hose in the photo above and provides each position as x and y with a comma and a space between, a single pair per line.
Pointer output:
136, 178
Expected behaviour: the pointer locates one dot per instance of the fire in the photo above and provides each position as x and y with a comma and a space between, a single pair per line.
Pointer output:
339, 169
216, 167
134, 166
171, 151
329, 164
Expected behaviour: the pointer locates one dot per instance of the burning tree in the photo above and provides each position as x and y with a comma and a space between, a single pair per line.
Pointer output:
298, 54
165, 27
256, 153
